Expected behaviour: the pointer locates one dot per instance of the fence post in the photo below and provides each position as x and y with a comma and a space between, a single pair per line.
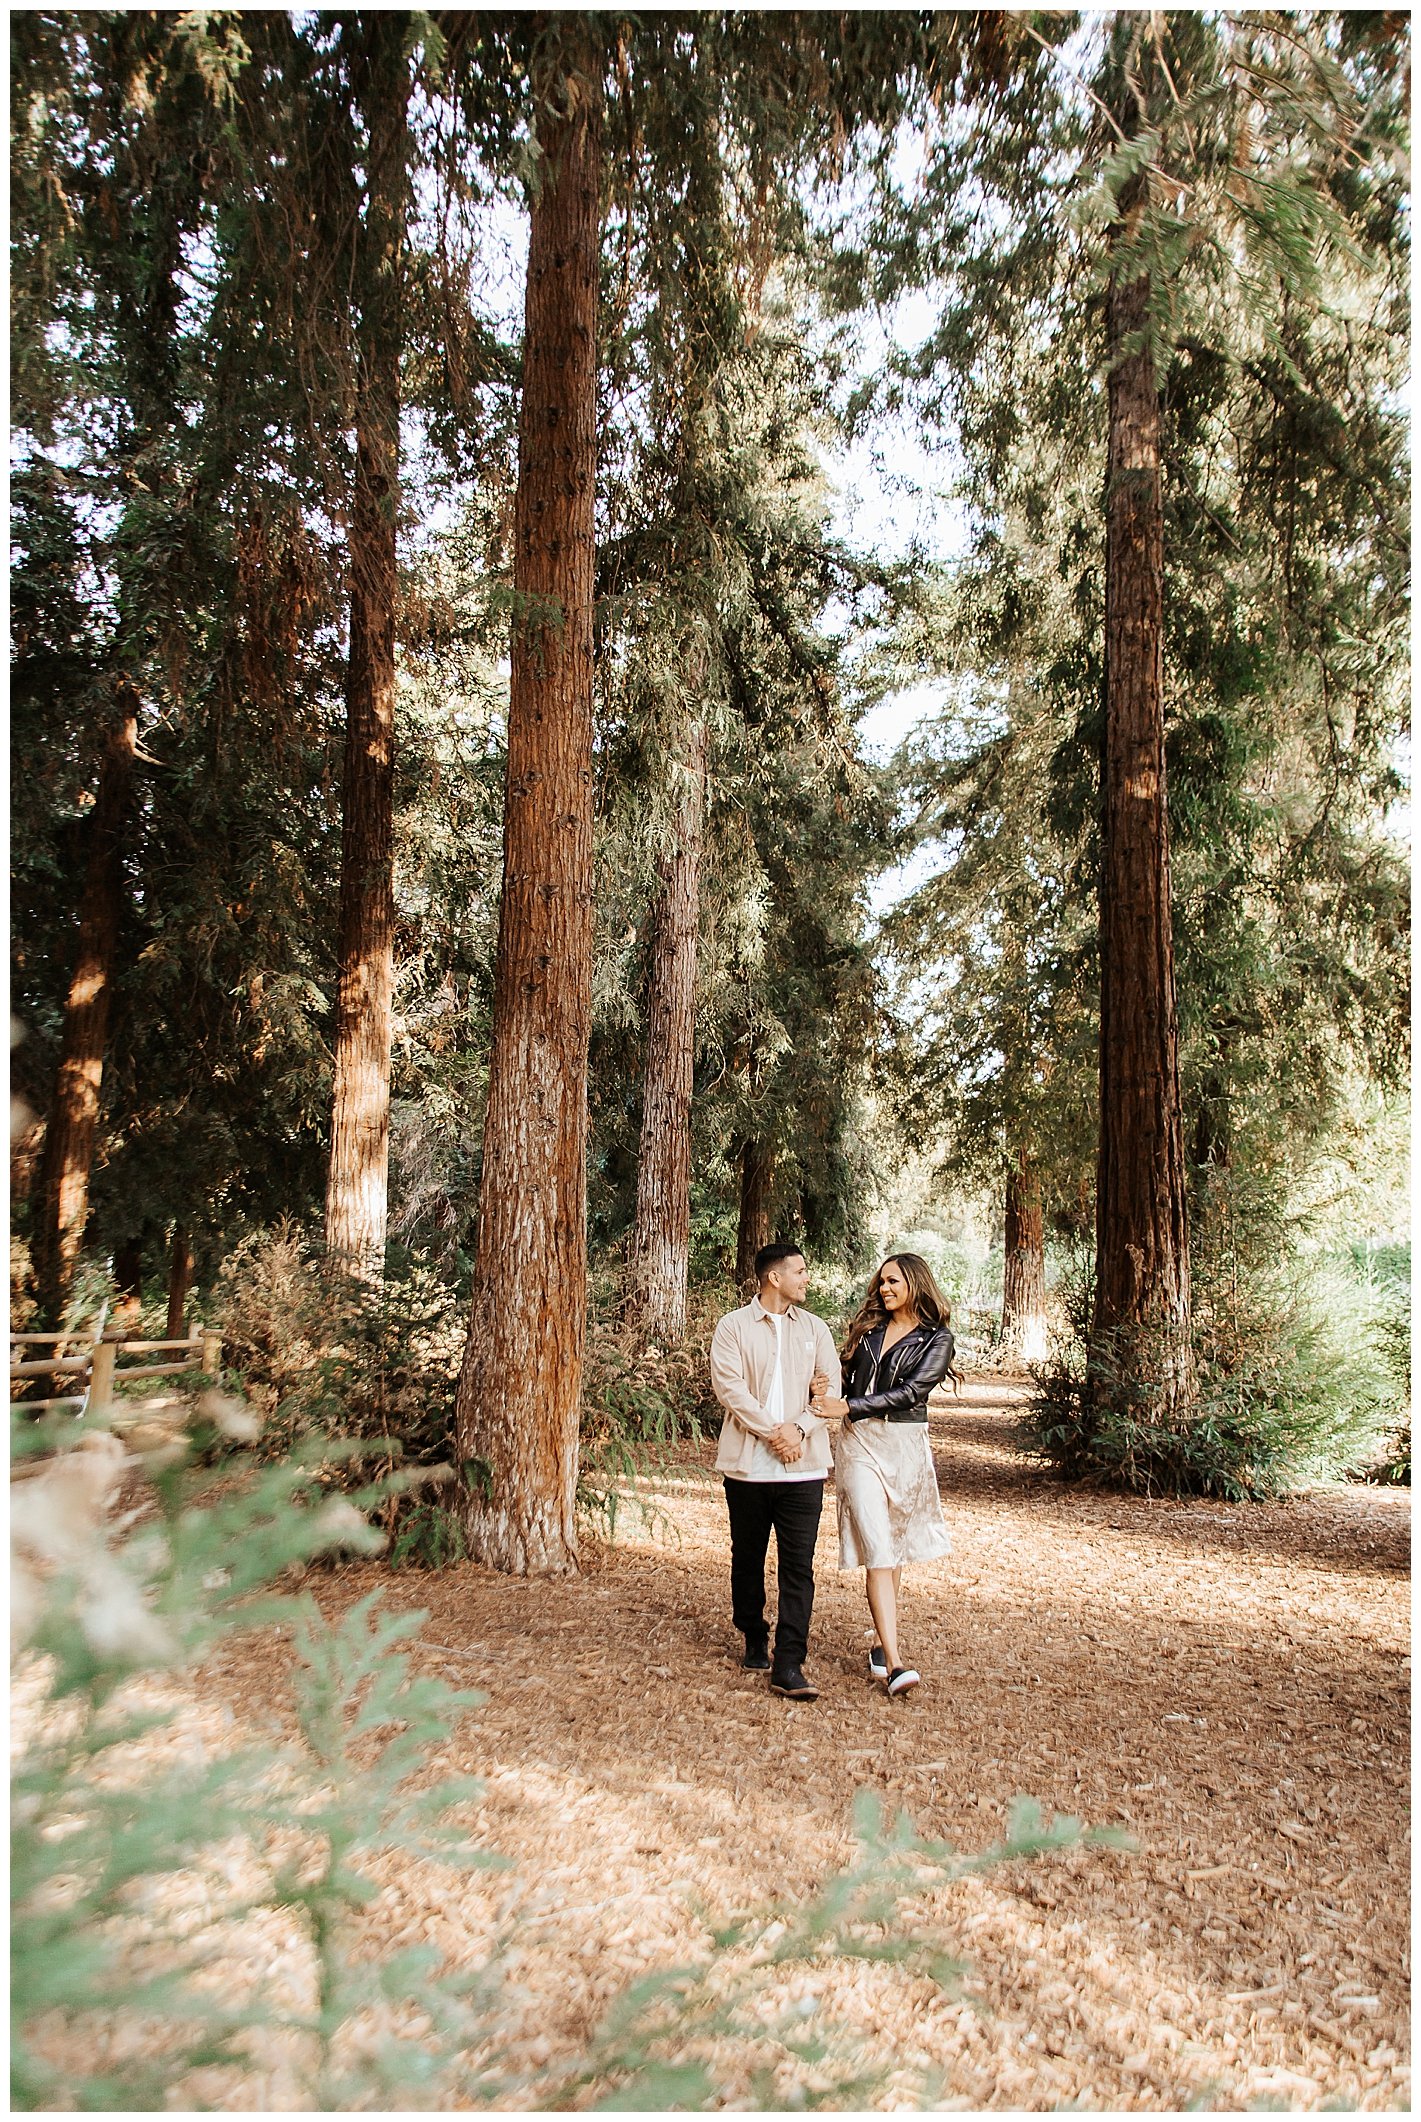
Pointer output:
101, 1368
212, 1351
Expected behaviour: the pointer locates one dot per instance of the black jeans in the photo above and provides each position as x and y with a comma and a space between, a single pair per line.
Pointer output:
791, 1510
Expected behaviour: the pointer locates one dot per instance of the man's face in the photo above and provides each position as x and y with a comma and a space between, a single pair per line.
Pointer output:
791, 1278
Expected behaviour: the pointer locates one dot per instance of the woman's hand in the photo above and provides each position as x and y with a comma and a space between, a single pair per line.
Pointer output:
827, 1410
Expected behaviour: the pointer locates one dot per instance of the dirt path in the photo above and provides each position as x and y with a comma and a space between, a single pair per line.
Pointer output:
1231, 1683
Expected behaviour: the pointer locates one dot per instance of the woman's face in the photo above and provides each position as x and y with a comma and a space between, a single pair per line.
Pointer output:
892, 1287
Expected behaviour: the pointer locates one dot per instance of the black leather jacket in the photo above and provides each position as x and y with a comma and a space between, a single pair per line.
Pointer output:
905, 1376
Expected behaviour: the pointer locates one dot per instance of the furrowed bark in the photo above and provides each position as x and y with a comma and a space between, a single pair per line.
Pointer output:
357, 1189
74, 1118
520, 1385
661, 1231
1141, 1316
1024, 1266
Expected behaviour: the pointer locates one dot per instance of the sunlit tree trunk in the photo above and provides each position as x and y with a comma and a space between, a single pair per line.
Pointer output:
1141, 1317
757, 1179
520, 1386
358, 1183
74, 1117
661, 1231
1024, 1265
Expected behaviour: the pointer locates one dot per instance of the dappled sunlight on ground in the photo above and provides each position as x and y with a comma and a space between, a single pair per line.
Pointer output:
1228, 1684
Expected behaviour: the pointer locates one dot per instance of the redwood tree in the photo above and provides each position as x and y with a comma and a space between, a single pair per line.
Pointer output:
521, 1381
1140, 1325
661, 1231
1024, 1263
1230, 307
74, 1116
358, 1184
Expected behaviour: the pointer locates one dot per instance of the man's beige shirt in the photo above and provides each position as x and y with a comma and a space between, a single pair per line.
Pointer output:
742, 1367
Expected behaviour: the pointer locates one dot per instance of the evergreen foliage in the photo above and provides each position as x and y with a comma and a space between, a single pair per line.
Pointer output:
779, 190
114, 1814
198, 274
1274, 322
1294, 1388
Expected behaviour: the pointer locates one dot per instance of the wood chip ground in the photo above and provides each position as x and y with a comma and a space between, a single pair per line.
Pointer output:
1229, 1683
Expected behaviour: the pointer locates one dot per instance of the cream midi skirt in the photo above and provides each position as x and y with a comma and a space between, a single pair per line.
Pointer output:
889, 1508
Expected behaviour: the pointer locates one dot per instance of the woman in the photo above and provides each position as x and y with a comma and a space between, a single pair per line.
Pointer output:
899, 1347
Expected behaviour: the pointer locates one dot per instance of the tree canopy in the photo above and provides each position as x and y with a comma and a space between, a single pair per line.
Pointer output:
270, 354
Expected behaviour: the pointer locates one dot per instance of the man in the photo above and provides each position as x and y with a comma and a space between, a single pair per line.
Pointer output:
774, 1454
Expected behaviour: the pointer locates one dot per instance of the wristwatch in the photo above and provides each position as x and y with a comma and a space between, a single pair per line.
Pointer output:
803, 1432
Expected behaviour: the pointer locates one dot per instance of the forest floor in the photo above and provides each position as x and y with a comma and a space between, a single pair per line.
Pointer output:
1230, 1684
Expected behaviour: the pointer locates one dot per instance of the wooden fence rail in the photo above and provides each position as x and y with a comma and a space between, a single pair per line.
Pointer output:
201, 1352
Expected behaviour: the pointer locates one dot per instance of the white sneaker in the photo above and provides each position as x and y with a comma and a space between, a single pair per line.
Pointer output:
878, 1663
903, 1678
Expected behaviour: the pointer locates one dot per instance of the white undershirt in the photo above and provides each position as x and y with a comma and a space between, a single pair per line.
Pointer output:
775, 1405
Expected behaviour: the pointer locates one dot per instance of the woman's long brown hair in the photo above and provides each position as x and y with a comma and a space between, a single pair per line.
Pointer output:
924, 1295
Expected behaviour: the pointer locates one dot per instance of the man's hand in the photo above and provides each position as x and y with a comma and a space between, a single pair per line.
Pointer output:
786, 1443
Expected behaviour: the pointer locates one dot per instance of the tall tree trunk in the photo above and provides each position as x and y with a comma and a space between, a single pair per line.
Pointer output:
1024, 1267
757, 1178
661, 1231
74, 1119
357, 1188
1141, 1318
179, 1277
520, 1386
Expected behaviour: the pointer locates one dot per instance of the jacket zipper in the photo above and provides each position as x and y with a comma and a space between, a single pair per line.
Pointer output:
878, 1359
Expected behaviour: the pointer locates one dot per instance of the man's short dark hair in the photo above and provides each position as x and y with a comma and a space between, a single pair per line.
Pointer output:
771, 1255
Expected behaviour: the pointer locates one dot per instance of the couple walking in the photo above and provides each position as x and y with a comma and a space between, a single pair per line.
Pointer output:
777, 1375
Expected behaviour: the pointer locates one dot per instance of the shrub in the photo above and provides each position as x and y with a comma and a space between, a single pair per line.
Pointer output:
1393, 1468
1292, 1388
1385, 1272
323, 1357
637, 1400
429, 1537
